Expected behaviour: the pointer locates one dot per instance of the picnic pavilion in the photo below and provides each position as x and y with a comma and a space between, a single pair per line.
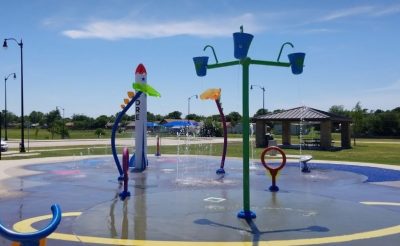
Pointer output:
305, 114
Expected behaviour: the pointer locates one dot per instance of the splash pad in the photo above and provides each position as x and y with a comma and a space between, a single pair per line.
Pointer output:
171, 205
181, 201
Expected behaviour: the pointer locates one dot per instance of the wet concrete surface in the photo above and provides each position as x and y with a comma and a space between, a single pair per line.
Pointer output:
180, 198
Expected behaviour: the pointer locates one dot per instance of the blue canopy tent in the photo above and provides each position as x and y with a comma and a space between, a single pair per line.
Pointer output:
181, 124
152, 124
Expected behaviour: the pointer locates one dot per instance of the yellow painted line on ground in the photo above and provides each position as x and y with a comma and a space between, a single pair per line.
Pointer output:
26, 226
382, 203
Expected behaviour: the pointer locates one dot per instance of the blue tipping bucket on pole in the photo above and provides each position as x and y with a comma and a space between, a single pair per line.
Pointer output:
200, 63
296, 62
241, 43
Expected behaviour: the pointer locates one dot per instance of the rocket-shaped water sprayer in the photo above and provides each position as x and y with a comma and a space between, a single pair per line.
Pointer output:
140, 160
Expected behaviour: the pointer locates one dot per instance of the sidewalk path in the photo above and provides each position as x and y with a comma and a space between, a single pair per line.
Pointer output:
151, 141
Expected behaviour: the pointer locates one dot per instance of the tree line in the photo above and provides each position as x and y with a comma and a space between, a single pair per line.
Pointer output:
366, 123
83, 122
371, 123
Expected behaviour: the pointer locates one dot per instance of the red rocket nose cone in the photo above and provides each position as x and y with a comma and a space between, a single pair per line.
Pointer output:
140, 69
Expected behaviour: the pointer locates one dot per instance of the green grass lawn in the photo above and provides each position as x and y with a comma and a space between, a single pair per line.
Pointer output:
362, 152
384, 152
43, 134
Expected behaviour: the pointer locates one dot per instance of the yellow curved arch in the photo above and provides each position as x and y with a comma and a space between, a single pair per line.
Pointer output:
26, 226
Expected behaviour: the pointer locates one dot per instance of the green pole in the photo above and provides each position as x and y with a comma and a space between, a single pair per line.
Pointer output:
246, 213
246, 123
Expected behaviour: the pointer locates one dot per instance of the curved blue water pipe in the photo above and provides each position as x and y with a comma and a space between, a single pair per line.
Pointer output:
33, 238
113, 131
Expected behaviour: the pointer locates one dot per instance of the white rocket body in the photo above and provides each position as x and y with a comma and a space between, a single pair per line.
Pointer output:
140, 161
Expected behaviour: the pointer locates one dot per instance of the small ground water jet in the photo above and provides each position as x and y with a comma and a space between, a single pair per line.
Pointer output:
252, 148
191, 170
303, 159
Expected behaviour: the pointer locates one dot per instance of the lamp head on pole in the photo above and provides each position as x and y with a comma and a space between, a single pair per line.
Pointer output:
7, 77
5, 44
189, 98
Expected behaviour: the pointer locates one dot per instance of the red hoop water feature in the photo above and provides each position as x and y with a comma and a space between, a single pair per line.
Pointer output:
273, 170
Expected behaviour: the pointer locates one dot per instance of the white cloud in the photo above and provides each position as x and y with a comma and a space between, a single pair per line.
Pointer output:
121, 29
392, 88
377, 98
312, 31
387, 10
374, 11
348, 13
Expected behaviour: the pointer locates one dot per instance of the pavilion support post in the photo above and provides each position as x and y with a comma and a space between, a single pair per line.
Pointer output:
261, 141
345, 135
286, 140
326, 134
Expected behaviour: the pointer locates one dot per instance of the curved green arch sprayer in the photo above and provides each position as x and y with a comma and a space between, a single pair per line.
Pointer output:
114, 130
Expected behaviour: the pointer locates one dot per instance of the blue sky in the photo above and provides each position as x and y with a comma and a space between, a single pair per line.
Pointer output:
81, 55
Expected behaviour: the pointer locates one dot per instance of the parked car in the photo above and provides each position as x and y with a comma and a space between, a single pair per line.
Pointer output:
4, 145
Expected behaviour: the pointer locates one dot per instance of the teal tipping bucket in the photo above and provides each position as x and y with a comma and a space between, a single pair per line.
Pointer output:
200, 63
296, 62
241, 42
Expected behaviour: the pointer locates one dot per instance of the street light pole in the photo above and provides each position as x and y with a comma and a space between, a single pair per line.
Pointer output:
263, 89
63, 124
189, 102
5, 103
20, 44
